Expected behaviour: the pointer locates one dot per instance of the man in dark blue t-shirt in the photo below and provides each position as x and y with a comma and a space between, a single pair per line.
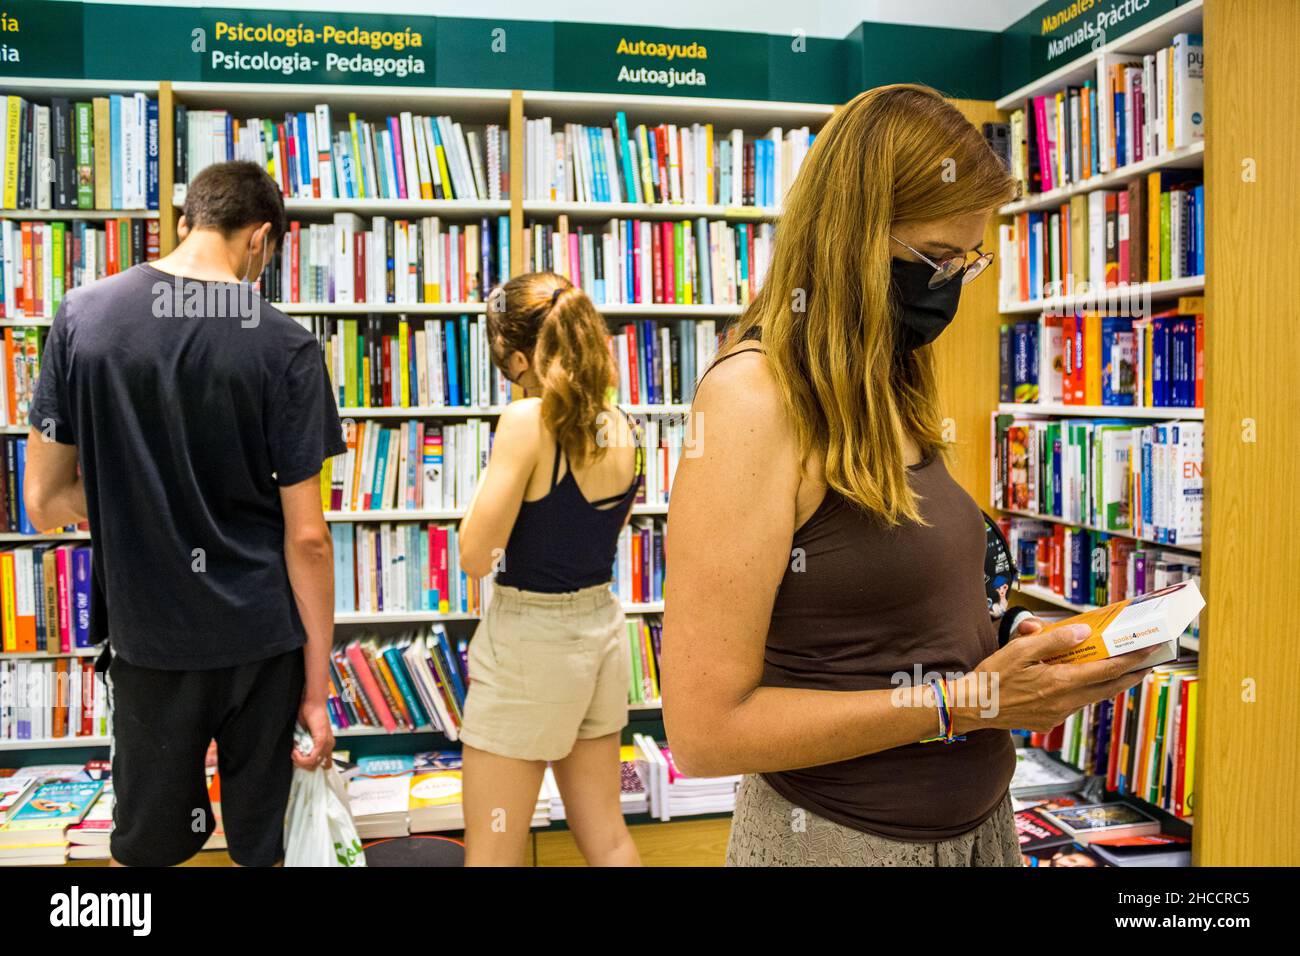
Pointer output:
188, 421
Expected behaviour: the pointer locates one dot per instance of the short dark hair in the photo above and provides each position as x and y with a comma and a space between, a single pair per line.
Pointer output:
230, 196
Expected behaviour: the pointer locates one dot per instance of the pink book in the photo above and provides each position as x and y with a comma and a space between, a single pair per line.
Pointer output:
667, 247
1123, 237
1041, 134
63, 580
635, 226
395, 134
438, 566
575, 260
370, 686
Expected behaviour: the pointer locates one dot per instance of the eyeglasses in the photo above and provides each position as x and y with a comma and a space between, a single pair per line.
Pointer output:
948, 269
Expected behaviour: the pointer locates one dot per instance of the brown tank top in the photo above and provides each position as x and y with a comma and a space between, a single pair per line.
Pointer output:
861, 602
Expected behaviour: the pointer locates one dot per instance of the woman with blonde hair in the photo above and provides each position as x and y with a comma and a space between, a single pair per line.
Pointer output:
548, 665
822, 558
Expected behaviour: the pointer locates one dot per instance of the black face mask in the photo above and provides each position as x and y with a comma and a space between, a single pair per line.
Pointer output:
923, 312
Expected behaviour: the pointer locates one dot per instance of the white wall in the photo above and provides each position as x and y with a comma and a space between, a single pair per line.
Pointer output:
829, 18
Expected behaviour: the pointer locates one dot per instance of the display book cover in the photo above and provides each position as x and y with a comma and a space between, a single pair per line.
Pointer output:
54, 806
1102, 821
1157, 618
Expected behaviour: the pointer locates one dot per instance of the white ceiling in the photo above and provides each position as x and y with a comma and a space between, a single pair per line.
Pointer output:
829, 18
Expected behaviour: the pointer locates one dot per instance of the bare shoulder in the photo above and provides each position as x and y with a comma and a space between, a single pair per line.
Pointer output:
521, 422
743, 391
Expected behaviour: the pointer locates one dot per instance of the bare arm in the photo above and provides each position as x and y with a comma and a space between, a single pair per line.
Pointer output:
52, 489
309, 557
486, 527
732, 521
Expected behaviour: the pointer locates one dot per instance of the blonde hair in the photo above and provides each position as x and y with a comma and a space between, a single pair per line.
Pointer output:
548, 319
852, 393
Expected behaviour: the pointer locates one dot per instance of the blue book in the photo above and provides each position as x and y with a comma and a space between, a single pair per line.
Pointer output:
1148, 505
503, 248
742, 240
466, 378
1057, 499
381, 465
449, 662
1198, 229
629, 176
450, 353
1111, 375
629, 259
81, 595
404, 686
151, 155
344, 586
304, 160
115, 146
702, 257
599, 188
659, 188
1079, 566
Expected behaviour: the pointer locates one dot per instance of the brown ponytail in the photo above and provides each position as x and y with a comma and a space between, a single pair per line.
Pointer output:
547, 318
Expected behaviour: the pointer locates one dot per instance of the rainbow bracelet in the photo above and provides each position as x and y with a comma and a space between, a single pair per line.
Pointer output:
945, 714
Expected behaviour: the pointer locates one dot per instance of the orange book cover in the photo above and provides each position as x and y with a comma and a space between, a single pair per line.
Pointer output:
1134, 624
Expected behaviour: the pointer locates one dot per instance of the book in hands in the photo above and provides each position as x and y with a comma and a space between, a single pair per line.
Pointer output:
1158, 618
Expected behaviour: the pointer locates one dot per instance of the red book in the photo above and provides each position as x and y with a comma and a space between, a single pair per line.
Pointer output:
637, 294
1058, 563
1124, 264
294, 239
25, 300
286, 157
1116, 739
1068, 359
87, 696
637, 567
656, 264
633, 364
667, 248
369, 686
387, 351
110, 243
1022, 242
1180, 754
63, 584
661, 144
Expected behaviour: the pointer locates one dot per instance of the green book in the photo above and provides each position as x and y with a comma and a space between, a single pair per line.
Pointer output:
1164, 235
58, 231
84, 126
679, 264
350, 362
638, 683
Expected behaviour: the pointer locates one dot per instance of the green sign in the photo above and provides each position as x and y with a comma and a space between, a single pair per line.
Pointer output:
604, 58
40, 38
276, 46
958, 63
1059, 31
495, 54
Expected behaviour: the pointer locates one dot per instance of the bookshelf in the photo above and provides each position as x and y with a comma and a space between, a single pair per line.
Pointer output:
509, 109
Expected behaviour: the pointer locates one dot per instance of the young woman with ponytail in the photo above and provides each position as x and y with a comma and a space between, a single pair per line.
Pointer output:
827, 629
548, 664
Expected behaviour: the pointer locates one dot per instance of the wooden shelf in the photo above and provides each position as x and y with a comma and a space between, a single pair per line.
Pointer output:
46, 656
55, 743
1101, 411
402, 208
752, 115
16, 536
1186, 157
1119, 300
1194, 548
631, 210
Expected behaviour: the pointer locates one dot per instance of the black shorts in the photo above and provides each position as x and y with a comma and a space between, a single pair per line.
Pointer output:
163, 722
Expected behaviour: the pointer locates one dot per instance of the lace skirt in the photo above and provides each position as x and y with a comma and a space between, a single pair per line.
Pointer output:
769, 830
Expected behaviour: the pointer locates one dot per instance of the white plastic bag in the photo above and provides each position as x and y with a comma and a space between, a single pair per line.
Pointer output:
318, 827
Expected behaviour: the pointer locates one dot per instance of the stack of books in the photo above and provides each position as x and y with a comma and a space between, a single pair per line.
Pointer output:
632, 792
403, 568
101, 153
408, 467
382, 362
1089, 359
1151, 231
40, 262
1144, 480
36, 832
1136, 109
660, 164
643, 262
673, 794
401, 157
415, 680
639, 562
399, 261
45, 598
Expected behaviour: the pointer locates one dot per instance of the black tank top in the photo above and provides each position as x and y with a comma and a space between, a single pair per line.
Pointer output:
862, 603
562, 542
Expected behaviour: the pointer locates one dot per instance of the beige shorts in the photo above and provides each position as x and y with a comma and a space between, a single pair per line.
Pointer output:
546, 670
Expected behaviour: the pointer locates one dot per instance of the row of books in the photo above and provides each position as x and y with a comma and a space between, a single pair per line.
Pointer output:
1143, 741
1091, 359
645, 636
411, 681
57, 699
398, 362
409, 466
631, 261
1089, 567
55, 812
666, 438
405, 156
659, 363
41, 261
100, 153
1151, 231
1134, 110
403, 567
403, 261
45, 598
639, 567
1145, 480
660, 164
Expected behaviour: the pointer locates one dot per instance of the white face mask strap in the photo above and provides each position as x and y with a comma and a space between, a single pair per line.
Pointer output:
262, 268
